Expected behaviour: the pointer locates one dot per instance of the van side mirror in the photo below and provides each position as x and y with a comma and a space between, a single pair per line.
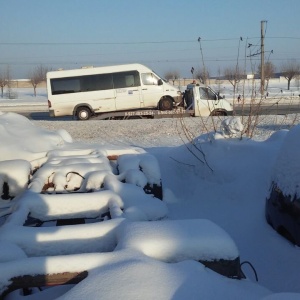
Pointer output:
219, 96
159, 82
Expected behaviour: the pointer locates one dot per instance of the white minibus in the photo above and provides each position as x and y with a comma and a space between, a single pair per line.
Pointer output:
91, 91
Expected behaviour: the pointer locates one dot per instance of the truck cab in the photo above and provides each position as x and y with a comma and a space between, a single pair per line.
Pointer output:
205, 101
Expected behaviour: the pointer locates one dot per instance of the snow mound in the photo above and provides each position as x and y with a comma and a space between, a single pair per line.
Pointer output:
25, 140
10, 251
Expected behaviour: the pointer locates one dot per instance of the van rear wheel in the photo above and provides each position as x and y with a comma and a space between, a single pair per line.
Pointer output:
165, 104
83, 113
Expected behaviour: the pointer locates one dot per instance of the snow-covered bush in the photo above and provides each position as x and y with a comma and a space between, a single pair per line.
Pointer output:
232, 127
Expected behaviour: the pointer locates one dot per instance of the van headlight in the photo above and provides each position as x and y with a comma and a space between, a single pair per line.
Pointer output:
179, 93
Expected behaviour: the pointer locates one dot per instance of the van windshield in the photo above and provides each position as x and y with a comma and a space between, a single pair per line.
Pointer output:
150, 79
160, 77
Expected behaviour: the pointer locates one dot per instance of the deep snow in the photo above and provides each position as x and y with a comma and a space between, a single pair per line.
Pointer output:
229, 189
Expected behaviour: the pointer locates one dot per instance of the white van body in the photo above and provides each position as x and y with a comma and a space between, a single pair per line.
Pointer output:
91, 91
206, 102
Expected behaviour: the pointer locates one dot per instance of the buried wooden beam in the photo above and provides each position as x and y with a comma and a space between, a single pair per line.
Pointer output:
228, 268
29, 281
113, 157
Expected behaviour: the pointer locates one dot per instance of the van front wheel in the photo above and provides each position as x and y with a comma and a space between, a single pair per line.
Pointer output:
165, 104
83, 113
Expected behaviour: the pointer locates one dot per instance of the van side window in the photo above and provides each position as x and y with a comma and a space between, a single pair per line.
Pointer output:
78, 84
126, 79
65, 85
207, 94
149, 79
96, 82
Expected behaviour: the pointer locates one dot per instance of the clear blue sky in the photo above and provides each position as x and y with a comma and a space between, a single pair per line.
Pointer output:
160, 34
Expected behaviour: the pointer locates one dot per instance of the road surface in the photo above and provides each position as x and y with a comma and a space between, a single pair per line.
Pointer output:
40, 112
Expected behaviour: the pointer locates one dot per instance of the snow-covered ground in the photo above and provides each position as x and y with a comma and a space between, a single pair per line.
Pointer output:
277, 88
208, 180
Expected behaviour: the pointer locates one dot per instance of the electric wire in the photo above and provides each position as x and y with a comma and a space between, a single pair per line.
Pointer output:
254, 271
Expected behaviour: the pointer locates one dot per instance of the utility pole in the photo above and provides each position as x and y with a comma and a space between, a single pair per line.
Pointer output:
262, 59
204, 70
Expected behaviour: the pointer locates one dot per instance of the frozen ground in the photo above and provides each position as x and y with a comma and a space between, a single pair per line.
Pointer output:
158, 132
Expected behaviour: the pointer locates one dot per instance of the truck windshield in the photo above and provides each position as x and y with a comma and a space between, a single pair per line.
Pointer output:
207, 94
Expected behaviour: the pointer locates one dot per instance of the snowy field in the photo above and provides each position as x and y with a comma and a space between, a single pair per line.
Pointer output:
277, 88
209, 179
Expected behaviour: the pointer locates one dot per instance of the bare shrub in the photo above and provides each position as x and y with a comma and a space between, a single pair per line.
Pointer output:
37, 76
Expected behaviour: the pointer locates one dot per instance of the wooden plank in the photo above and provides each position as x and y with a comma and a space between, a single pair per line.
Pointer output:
40, 280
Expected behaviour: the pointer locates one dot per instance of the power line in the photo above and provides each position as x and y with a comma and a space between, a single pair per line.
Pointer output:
149, 61
133, 43
89, 43
283, 37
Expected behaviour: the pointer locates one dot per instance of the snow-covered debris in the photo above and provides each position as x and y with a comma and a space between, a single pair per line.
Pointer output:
55, 240
67, 177
145, 162
86, 169
169, 241
131, 200
61, 206
286, 172
178, 240
132, 275
138, 206
16, 174
138, 277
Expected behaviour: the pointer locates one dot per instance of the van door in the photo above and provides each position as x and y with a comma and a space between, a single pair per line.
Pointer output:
152, 89
98, 91
127, 87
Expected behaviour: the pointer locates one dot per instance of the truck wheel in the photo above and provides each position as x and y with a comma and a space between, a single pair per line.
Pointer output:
218, 113
165, 104
83, 113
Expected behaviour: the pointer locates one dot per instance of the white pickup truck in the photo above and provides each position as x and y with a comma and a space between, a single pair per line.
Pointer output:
206, 102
